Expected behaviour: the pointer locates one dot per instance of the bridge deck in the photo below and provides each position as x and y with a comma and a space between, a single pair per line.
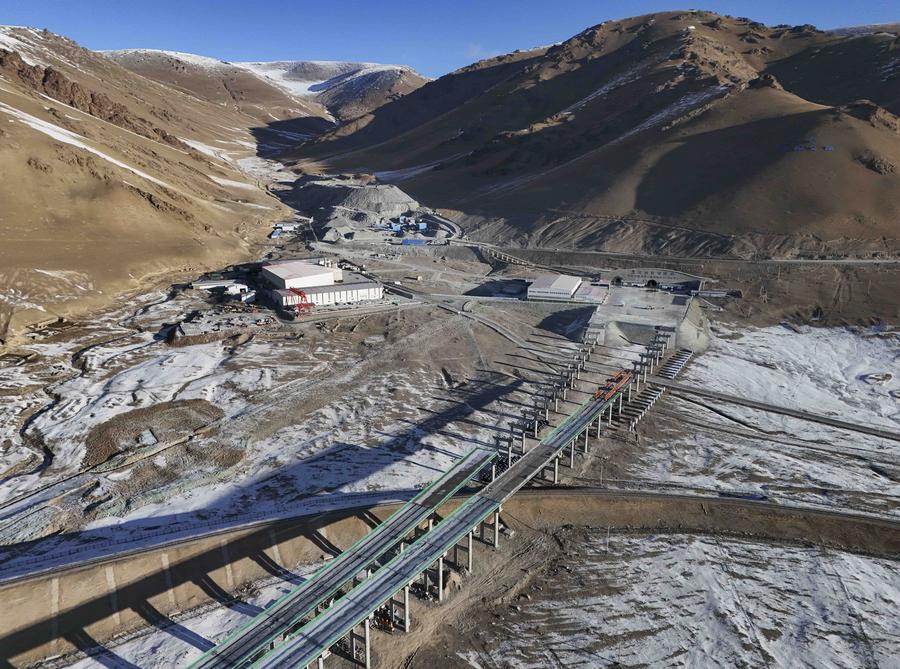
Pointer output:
241, 646
330, 626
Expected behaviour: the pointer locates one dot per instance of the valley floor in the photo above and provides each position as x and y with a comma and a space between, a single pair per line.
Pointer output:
593, 598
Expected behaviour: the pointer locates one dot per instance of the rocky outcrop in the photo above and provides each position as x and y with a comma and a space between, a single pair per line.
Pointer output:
53, 83
878, 117
766, 81
876, 163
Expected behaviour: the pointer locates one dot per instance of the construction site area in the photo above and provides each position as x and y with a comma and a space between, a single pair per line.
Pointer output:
455, 455
584, 355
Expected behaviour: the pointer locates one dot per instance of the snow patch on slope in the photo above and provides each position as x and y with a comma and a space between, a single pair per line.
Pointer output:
228, 183
307, 78
200, 61
69, 137
11, 41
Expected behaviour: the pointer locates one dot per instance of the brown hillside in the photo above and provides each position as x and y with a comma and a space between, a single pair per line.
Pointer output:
681, 132
218, 82
109, 178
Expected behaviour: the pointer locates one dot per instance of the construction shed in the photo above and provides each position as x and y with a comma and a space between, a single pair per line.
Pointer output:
553, 287
301, 274
354, 288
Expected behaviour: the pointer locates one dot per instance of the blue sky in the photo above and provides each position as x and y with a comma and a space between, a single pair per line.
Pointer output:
433, 36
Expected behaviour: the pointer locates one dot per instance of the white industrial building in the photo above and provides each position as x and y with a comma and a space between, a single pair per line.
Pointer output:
321, 282
592, 293
355, 288
553, 287
302, 274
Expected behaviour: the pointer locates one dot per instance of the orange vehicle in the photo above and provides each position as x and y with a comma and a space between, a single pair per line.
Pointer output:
613, 385
303, 305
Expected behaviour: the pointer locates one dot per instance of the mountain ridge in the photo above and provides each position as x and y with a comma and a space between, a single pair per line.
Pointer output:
114, 179
575, 143
319, 87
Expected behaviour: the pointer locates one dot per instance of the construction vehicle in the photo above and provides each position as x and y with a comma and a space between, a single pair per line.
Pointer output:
303, 304
613, 385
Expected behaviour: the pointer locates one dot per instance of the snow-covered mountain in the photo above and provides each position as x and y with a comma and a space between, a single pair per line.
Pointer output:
331, 89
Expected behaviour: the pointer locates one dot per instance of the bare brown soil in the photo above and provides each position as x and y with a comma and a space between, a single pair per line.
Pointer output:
166, 422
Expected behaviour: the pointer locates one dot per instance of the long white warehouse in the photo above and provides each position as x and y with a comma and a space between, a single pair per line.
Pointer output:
355, 288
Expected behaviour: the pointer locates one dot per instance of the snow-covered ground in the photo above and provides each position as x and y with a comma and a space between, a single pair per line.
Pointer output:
186, 638
306, 78
836, 372
229, 183
379, 434
690, 601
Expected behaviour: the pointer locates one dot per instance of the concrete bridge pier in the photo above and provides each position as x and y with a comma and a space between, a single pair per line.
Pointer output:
365, 638
402, 604
467, 548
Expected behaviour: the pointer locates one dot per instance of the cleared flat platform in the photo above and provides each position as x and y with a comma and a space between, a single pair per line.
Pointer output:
682, 388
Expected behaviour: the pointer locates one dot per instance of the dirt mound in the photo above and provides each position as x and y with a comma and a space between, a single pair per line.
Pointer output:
383, 199
148, 428
348, 205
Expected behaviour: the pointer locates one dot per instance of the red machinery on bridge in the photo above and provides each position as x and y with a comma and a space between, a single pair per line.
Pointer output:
303, 304
613, 385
